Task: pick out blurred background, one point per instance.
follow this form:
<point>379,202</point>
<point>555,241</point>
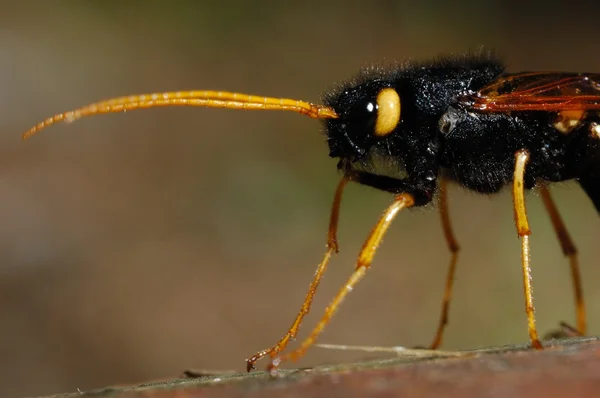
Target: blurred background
<point>135,246</point>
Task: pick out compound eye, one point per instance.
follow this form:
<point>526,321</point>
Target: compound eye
<point>388,112</point>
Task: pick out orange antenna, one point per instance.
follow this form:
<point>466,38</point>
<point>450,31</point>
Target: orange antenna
<point>209,99</point>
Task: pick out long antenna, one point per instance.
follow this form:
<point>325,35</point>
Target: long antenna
<point>209,99</point>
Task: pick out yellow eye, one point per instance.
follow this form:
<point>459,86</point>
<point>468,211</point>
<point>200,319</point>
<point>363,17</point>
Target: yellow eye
<point>388,112</point>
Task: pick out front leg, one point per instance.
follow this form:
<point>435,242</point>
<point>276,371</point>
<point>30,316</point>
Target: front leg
<point>424,192</point>
<point>332,248</point>
<point>522,224</point>
<point>421,189</point>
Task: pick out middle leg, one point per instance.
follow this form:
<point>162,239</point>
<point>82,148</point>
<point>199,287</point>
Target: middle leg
<point>523,230</point>
<point>454,249</point>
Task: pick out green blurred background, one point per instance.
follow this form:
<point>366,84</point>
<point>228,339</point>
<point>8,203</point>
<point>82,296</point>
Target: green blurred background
<point>136,246</point>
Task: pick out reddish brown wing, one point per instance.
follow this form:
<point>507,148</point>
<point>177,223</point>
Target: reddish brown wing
<point>539,91</point>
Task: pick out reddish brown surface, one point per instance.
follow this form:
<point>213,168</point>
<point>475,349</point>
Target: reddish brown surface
<point>569,369</point>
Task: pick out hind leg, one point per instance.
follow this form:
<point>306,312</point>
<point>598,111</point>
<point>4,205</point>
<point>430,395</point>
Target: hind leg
<point>569,250</point>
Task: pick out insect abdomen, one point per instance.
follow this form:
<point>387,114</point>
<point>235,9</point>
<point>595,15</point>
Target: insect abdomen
<point>591,186</point>
<point>584,153</point>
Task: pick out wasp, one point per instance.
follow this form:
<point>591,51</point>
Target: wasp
<point>460,119</point>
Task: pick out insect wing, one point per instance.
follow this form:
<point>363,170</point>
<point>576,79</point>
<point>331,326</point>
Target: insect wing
<point>539,91</point>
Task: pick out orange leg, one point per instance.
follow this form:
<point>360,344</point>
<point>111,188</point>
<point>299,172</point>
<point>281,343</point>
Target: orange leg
<point>454,249</point>
<point>569,250</point>
<point>524,232</point>
<point>365,258</point>
<point>332,248</point>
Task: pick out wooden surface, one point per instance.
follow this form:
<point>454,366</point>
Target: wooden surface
<point>569,367</point>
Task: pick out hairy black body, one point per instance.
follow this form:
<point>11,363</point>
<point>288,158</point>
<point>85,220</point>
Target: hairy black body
<point>440,131</point>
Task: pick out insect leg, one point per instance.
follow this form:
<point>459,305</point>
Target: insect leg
<point>421,192</point>
<point>454,249</point>
<point>522,224</point>
<point>365,258</point>
<point>569,250</point>
<point>332,248</point>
